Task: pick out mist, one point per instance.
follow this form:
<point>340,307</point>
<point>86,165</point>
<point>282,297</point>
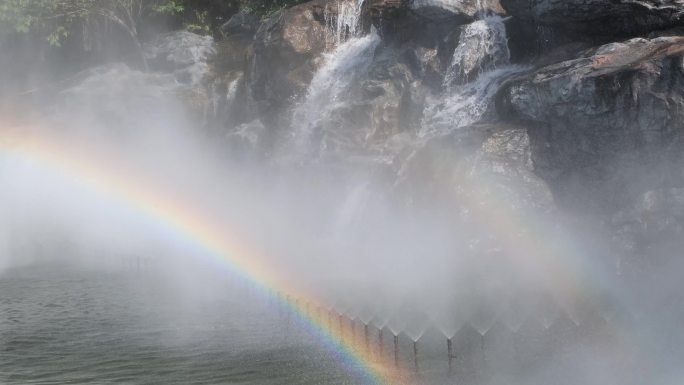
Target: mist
<point>189,200</point>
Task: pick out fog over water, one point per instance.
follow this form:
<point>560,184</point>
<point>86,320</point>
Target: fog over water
<point>142,240</point>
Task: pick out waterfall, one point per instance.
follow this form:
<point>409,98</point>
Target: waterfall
<point>466,104</point>
<point>479,65</point>
<point>482,47</point>
<point>330,86</point>
<point>346,24</point>
<point>332,82</point>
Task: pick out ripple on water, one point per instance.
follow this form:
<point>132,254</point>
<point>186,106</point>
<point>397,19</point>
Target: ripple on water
<point>113,329</point>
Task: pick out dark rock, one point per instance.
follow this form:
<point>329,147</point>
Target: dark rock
<point>242,23</point>
<point>429,23</point>
<point>233,53</point>
<point>425,63</point>
<point>607,126</point>
<point>653,225</point>
<point>230,68</point>
<point>477,166</point>
<point>441,9</point>
<point>182,52</point>
<point>286,49</point>
<point>600,19</point>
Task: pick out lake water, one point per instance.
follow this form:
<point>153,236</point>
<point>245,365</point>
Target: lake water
<point>99,328</point>
<point>72,326</point>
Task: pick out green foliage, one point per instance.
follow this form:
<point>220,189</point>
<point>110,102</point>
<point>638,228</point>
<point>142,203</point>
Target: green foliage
<point>267,8</point>
<point>56,37</point>
<point>26,15</point>
<point>55,19</point>
<point>170,7</point>
<point>200,23</point>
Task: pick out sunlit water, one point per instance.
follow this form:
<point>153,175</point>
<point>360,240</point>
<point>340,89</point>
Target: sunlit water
<point>137,327</point>
<point>77,327</point>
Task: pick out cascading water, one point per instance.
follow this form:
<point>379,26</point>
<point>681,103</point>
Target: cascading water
<point>482,47</point>
<point>347,23</point>
<point>466,104</point>
<point>482,54</point>
<point>330,87</point>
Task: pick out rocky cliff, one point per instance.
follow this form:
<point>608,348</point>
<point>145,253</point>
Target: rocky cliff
<point>594,90</point>
<point>549,106</point>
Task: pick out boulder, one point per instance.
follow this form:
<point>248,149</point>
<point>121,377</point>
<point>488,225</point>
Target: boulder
<point>600,17</point>
<point>242,23</point>
<point>650,230</point>
<point>476,171</point>
<point>427,22</point>
<point>607,125</point>
<point>469,9</point>
<point>183,53</point>
<point>287,48</point>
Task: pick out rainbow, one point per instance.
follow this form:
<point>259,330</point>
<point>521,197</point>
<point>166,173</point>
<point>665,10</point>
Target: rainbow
<point>206,235</point>
<point>573,273</point>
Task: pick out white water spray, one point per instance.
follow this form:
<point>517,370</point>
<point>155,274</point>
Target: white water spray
<point>482,47</point>
<point>482,53</point>
<point>330,87</point>
<point>466,104</point>
<point>346,24</point>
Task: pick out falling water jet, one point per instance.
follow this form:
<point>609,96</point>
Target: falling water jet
<point>450,354</point>
<point>365,337</point>
<point>297,315</point>
<point>380,343</point>
<point>279,304</point>
<point>341,325</point>
<point>271,298</point>
<point>288,300</point>
<point>352,324</point>
<point>396,350</point>
<point>415,355</point>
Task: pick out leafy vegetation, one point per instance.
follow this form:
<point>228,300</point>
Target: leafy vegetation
<point>57,19</point>
<point>82,22</point>
<point>266,8</point>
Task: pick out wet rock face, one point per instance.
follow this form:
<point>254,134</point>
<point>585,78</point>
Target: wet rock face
<point>394,90</point>
<point>608,124</point>
<point>600,17</point>
<point>655,216</point>
<point>430,23</point>
<point>183,53</point>
<point>440,9</point>
<point>286,48</point>
<point>242,23</point>
<point>597,119</point>
<point>478,165</point>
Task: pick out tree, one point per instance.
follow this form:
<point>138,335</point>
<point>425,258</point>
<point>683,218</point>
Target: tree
<point>56,18</point>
